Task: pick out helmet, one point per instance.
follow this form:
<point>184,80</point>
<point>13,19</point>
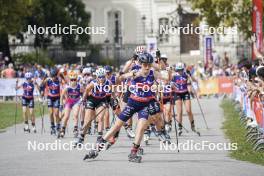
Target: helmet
<point>260,71</point>
<point>140,49</point>
<point>163,56</point>
<point>108,69</point>
<point>87,70</point>
<point>73,75</point>
<point>100,72</point>
<point>179,66</point>
<point>145,58</point>
<point>28,75</point>
<point>53,72</point>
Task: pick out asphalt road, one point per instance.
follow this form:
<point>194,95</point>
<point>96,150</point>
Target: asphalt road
<point>17,159</point>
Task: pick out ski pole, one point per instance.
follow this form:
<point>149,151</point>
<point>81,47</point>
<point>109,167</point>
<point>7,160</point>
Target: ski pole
<point>200,107</point>
<point>175,125</point>
<point>16,108</point>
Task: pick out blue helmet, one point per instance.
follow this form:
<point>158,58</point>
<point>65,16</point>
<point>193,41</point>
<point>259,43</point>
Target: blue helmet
<point>53,72</point>
<point>108,69</point>
<point>28,75</point>
<point>145,58</point>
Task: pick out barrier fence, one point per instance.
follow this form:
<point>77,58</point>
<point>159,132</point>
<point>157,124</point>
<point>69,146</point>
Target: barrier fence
<point>251,109</point>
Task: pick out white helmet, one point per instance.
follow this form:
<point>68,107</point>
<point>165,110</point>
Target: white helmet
<point>28,75</point>
<point>164,56</point>
<point>87,70</point>
<point>179,66</point>
<point>100,72</point>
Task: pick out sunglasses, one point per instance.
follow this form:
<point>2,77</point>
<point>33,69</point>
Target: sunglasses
<point>101,77</point>
<point>87,74</point>
<point>73,80</point>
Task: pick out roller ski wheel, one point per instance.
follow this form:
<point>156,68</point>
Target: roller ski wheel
<point>92,154</point>
<point>140,151</point>
<point>133,157</point>
<point>27,130</point>
<point>146,139</point>
<point>61,134</point>
<point>52,131</point>
<point>34,130</point>
<point>197,132</point>
<point>79,143</point>
<point>75,133</point>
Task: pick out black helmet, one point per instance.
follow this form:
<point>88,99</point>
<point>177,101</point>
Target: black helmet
<point>145,58</point>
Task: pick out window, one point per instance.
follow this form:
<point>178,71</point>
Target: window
<point>163,37</point>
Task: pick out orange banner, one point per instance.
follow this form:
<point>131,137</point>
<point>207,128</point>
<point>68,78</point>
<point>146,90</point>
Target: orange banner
<point>209,86</point>
<point>225,85</point>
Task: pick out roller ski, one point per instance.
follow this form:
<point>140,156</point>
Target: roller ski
<point>162,138</point>
<point>92,154</point>
<point>80,141</point>
<point>53,130</point>
<point>180,129</point>
<point>146,136</point>
<point>130,133</point>
<point>133,157</point>
<point>34,129</point>
<point>26,129</point>
<point>75,132</point>
<point>61,134</point>
<point>140,151</point>
<point>194,130</point>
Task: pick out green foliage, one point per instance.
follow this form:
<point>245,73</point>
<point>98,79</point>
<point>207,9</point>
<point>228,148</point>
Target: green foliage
<point>39,57</point>
<point>226,13</point>
<point>64,12</point>
<point>236,133</point>
<point>7,111</point>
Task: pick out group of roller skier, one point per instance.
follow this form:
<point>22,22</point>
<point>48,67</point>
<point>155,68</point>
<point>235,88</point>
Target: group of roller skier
<point>89,95</point>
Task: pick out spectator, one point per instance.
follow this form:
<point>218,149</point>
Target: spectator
<point>8,72</point>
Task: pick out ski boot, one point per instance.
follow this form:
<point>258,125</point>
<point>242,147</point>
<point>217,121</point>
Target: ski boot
<point>180,129</point>
<point>80,141</point>
<point>89,131</point>
<point>34,129</point>
<point>26,128</point>
<point>166,135</point>
<point>61,134</point>
<point>133,157</point>
<point>140,151</point>
<point>130,133</point>
<point>58,128</point>
<point>146,136</point>
<point>154,130</point>
<point>75,132</point>
<point>168,127</point>
<point>194,130</point>
<point>52,130</point>
<point>91,155</point>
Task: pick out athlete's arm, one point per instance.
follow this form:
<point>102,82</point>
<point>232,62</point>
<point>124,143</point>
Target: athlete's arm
<point>127,66</point>
<point>89,87</point>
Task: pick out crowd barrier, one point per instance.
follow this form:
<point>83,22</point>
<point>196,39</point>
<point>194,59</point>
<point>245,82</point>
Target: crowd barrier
<point>252,115</point>
<point>216,85</point>
<point>254,109</point>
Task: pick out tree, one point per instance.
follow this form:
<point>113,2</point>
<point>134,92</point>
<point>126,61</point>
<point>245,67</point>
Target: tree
<point>12,20</point>
<point>226,12</point>
<point>64,12</point>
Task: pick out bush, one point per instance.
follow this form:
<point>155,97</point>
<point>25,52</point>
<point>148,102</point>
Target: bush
<point>40,57</point>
